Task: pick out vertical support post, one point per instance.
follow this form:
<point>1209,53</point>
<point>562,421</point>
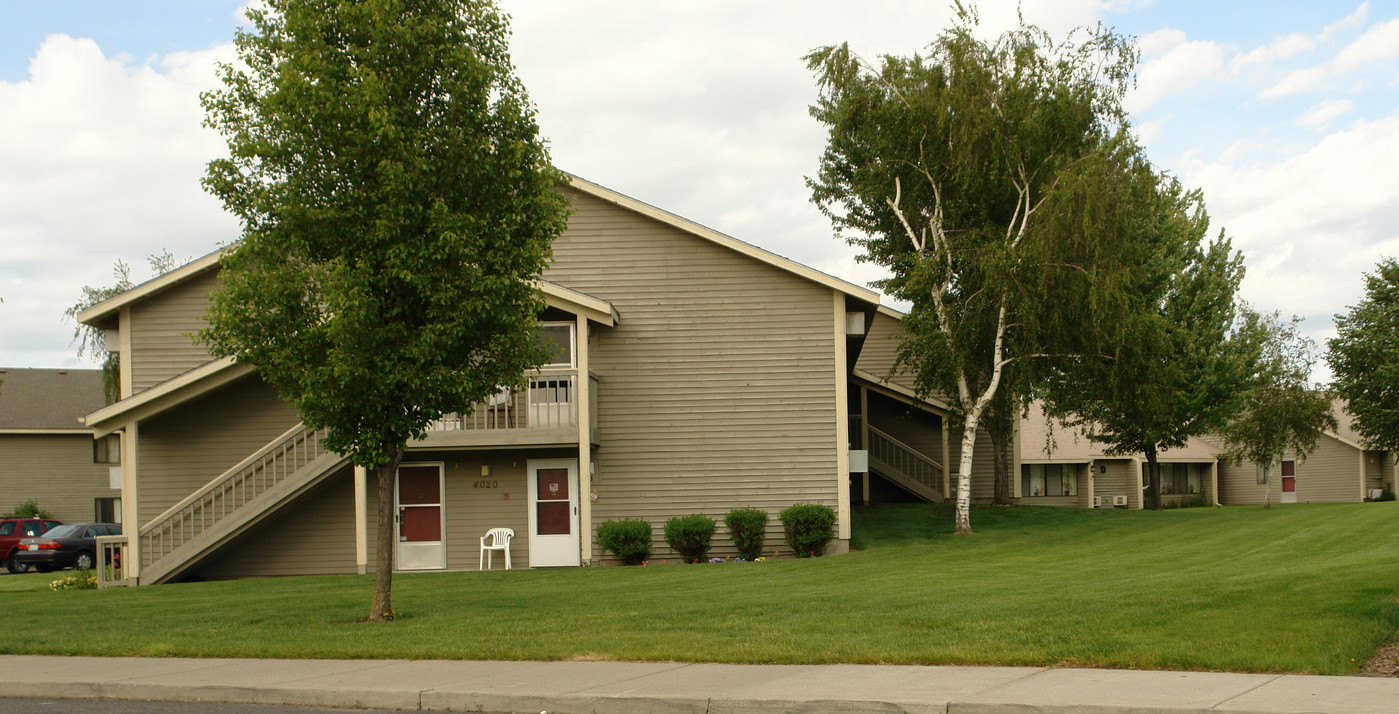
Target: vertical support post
<point>361,526</point>
<point>842,419</point>
<point>130,498</point>
<point>1362,473</point>
<point>946,462</point>
<point>1091,481</point>
<point>1014,474</point>
<point>585,443</point>
<point>865,439</point>
<point>1138,475</point>
<point>1214,482</point>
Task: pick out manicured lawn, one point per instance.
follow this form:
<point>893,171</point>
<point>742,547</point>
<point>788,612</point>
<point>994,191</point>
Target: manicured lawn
<point>1302,588</point>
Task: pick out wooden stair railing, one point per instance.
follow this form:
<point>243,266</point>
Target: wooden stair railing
<point>222,497</point>
<point>906,462</point>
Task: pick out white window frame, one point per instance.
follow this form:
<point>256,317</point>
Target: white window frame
<point>572,343</point>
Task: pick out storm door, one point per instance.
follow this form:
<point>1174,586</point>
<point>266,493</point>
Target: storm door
<point>1289,482</point>
<point>420,542</point>
<point>553,513</point>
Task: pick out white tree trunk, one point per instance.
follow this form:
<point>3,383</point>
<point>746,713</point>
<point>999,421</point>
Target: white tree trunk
<point>964,473</point>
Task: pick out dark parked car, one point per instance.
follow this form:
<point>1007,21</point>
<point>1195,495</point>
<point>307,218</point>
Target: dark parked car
<point>13,529</point>
<point>73,545</point>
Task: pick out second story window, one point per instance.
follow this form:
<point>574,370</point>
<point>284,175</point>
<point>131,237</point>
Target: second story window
<point>107,450</point>
<point>558,337</point>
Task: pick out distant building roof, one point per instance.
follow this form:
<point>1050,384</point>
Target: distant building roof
<point>48,398</point>
<point>1345,422</point>
<point>1045,439</point>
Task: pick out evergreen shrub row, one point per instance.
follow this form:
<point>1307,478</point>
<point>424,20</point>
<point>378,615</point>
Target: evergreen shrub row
<point>808,527</point>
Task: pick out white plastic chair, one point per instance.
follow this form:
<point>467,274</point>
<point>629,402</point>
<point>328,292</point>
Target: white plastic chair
<point>500,540</point>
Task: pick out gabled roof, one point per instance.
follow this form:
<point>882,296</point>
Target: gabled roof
<point>1046,439</point>
<point>97,313</point>
<point>102,312</point>
<point>48,400</point>
<point>174,391</point>
<point>1345,424</point>
<point>729,242</point>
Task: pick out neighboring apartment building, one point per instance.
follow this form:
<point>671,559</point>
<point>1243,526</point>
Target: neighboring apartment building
<point>697,374</point>
<point>1060,466</point>
<point>47,455</point>
<point>1341,468</point>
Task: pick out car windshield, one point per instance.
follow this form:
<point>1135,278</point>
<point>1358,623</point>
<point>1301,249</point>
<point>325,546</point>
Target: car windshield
<point>62,532</point>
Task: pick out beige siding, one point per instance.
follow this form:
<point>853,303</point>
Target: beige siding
<point>187,447</point>
<point>56,471</point>
<point>717,388</point>
<point>162,332</point>
<point>314,536</point>
<point>880,350</point>
<point>1331,473</point>
<point>1115,479</point>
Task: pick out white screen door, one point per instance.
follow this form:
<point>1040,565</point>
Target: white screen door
<point>553,513</point>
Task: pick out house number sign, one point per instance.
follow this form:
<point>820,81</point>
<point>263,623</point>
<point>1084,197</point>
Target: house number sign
<point>485,484</point>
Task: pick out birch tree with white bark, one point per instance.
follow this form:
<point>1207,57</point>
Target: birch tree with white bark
<point>995,180</point>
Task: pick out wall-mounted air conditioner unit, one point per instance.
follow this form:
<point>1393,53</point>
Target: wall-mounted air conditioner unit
<point>1119,501</point>
<point>1097,501</point>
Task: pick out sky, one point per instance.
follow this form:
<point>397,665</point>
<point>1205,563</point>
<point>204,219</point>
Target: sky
<point>1285,114</point>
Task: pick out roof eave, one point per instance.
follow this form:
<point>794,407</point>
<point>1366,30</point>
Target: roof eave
<point>96,313</point>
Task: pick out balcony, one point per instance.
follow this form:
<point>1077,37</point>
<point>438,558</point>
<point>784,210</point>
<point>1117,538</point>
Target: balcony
<point>544,413</point>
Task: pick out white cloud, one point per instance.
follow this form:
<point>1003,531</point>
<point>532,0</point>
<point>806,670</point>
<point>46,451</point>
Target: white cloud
<point>1353,21</point>
<point>1378,44</point>
<point>1319,116</point>
<point>1312,223</point>
<point>1280,49</point>
<point>1183,66</point>
<point>102,162</point>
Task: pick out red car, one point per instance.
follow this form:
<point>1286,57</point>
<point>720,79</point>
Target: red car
<point>13,529</point>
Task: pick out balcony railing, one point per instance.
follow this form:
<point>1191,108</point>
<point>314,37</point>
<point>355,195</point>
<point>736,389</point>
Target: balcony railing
<point>549,400</point>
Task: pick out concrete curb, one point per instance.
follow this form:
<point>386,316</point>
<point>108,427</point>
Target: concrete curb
<point>676,688</point>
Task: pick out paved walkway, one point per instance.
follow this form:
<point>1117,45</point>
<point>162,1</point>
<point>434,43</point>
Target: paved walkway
<point>645,687</point>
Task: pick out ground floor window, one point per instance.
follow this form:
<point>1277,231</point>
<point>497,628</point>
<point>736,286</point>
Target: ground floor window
<point>1180,478</point>
<point>1048,480</point>
<point>106,510</point>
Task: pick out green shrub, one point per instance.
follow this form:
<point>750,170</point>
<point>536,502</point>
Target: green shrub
<point>28,509</point>
<point>690,535</point>
<point>809,528</point>
<point>628,539</point>
<point>747,527</point>
<point>1388,495</point>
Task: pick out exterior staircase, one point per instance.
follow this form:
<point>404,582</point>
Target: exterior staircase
<point>906,467</point>
<point>234,502</point>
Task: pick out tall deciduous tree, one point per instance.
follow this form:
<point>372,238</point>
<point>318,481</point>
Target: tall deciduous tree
<point>1283,410</point>
<point>1183,369</point>
<point>1364,357</point>
<point>397,204</point>
<point>995,181</point>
